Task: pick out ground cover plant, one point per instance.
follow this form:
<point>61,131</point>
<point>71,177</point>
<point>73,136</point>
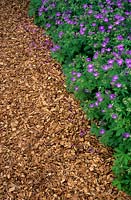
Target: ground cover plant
<point>92,41</point>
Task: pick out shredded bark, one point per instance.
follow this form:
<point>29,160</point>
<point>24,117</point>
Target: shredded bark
<point>46,149</point>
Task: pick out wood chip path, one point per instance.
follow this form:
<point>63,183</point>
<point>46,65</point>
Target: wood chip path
<point>46,151</point>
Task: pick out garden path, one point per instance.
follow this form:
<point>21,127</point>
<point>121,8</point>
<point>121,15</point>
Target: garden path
<point>46,151</point>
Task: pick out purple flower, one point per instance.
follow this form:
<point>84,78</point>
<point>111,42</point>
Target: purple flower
<point>114,116</point>
<point>120,47</point>
<point>112,96</point>
<point>107,39</point>
<point>90,66</point>
<point>128,52</point>
<point>114,78</point>
<point>55,48</point>
<point>73,73</point>
<point>128,63</point>
<point>115,54</point>
<point>126,135</point>
<point>120,37</point>
<point>98,94</point>
<point>110,106</point>
<point>117,22</point>
<point>118,85</point>
<point>53,5</point>
<point>100,99</point>
<point>85,6</point>
<point>108,49</point>
<point>82,31</point>
<point>73,79</point>
<point>102,131</point>
<point>58,14</point>
<point>110,61</point>
<point>81,25</point>
<point>90,70</point>
<point>96,103</point>
<point>90,12</point>
<point>93,24</point>
<point>40,10</point>
<point>110,26</point>
<point>104,11</point>
<point>78,74</point>
<point>96,74</point>
<point>88,59</point>
<point>105,67</point>
<point>96,55</point>
<point>99,16</point>
<point>76,88</point>
<point>104,44</point>
<point>48,25</point>
<point>119,61</point>
<point>91,105</point>
<point>101,28</point>
<point>60,34</point>
<point>106,19</point>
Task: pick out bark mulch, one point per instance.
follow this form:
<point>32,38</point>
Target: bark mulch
<point>46,150</point>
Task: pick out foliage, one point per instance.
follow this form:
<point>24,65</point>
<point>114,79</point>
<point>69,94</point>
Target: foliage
<point>92,41</point>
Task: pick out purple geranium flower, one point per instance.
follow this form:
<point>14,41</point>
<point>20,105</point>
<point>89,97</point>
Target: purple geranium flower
<point>82,31</point>
<point>103,50</point>
<point>90,70</point>
<point>48,25</point>
<point>114,116</point>
<point>76,88</point>
<point>112,96</point>
<point>105,67</point>
<point>118,85</point>
<point>88,59</point>
<point>120,37</point>
<point>90,66</point>
<point>96,103</point>
<point>93,24</point>
<point>96,74</point>
<point>114,78</point>
<point>100,99</point>
<point>110,61</point>
<point>73,73</point>
<point>126,135</point>
<point>120,47</point>
<point>98,94</point>
<point>91,105</point>
<point>90,12</point>
<point>78,74</point>
<point>96,55</point>
<point>119,61</point>
<point>102,131</point>
<point>106,19</point>
<point>73,79</point>
<point>60,34</point>
<point>110,106</point>
<point>101,28</point>
<point>110,26</point>
<point>85,6</point>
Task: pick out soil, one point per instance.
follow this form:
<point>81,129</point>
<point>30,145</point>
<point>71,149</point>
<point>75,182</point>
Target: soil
<point>46,149</point>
